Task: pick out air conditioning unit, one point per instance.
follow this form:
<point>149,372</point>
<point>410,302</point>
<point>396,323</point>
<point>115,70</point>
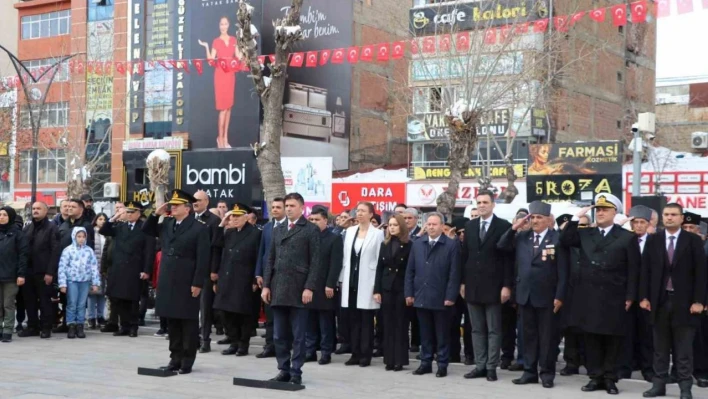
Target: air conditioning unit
<point>699,140</point>
<point>111,190</point>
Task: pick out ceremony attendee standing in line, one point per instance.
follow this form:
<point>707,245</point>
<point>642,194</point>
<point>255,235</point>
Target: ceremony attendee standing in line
<point>431,287</point>
<point>388,291</point>
<point>13,269</point>
<point>97,300</point>
<point>183,269</point>
<point>362,244</point>
<point>541,278</point>
<point>609,273</point>
<point>289,278</point>
<point>673,289</point>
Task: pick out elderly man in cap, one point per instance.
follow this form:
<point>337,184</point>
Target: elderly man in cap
<point>183,270</point>
<point>541,276</point>
<point>609,272</point>
<point>132,261</point>
<point>233,274</point>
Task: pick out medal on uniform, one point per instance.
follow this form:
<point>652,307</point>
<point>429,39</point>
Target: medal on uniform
<point>550,250</point>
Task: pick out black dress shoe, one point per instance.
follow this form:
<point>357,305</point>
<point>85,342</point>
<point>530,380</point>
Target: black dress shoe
<point>296,380</point>
<point>141,323</point>
<point>205,348</point>
<point>415,348</point>
<point>6,338</point>
<point>397,367</point>
<point>28,332</point>
<point>171,367</point>
<point>547,384</point>
<point>593,385</point>
<point>231,350</point>
<point>45,334</point>
<point>281,377</point>
<point>442,372</point>
<point>266,353</point>
<point>504,365</point>
<point>702,382</point>
<point>657,389</point>
<point>469,361</point>
<point>516,367</point>
<point>491,375</point>
<point>567,371</point>
<point>343,349</point>
<point>133,333</point>
<point>242,352</point>
<point>389,367</point>
<point>377,353</point>
<point>476,373</point>
<point>526,379</point>
<point>61,329</point>
<point>325,360</point>
<point>225,341</point>
<point>611,388</point>
<point>311,358</point>
<point>353,361</point>
<point>219,331</point>
<point>121,333</point>
<point>185,370</point>
<point>109,328</point>
<point>423,370</point>
<point>365,363</point>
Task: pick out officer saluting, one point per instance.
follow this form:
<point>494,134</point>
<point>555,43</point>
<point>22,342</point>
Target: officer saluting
<point>183,270</point>
<point>609,271</point>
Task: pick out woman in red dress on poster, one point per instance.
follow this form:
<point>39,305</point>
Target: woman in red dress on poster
<point>223,47</point>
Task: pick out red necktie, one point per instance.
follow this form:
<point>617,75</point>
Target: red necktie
<point>291,225</point>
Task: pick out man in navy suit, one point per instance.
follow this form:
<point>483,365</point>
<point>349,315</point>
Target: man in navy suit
<point>541,276</point>
<point>432,285</point>
<point>277,210</point>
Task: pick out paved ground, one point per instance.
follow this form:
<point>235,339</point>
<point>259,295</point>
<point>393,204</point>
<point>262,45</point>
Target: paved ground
<point>103,366</point>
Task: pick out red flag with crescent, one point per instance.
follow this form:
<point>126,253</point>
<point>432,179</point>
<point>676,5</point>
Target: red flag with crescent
<point>199,66</point>
<point>338,56</point>
<point>353,55</point>
<point>324,56</point>
<point>399,50</point>
<point>540,25</point>
<point>429,44</point>
<point>462,42</point>
<point>297,59</point>
<point>663,8</point>
<point>444,43</point>
<point>382,52</point>
<point>639,11</point>
<point>367,53</point>
<point>490,36</point>
<point>684,6</point>
<point>311,61</point>
<point>619,14</point>
<point>598,15</point>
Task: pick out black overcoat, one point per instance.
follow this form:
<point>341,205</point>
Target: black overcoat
<point>331,245</point>
<point>184,264</point>
<point>133,252</point>
<point>391,270</point>
<point>43,243</point>
<point>239,254</point>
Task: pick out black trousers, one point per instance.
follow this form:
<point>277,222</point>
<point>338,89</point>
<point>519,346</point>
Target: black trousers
<point>342,320</point>
<point>395,336</point>
<point>361,333</point>
<point>268,327</point>
<point>112,313</point>
<point>127,311</point>
<point>670,339</point>
<point>144,299</point>
<point>460,313</point>
<point>20,309</point>
<point>601,354</point>
<point>38,302</point>
<point>184,341</point>
<point>238,329</point>
<point>415,326</point>
<point>508,319</point>
<point>435,335</point>
<point>378,330</point>
<point>540,332</point>
<point>700,350</point>
<point>637,351</point>
<point>573,348</point>
<point>206,310</point>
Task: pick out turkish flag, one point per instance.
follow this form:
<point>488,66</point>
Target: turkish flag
<point>598,15</point>
<point>199,66</point>
<point>173,63</point>
<point>120,67</point>
<point>505,33</point>
<point>164,65</point>
<point>353,55</point>
<point>521,28</point>
<point>619,14</point>
<point>684,6</point>
<point>98,68</point>
<point>71,66</point>
<point>382,52</point>
<point>444,43</point>
<point>234,65</point>
<point>311,60</point>
<point>663,8</point>
<point>296,59</point>
<point>639,11</point>
<point>561,23</point>
<point>107,67</point>
<point>540,25</point>
<point>399,50</point>
<point>577,17</point>
<point>338,56</point>
<point>272,58</point>
<point>140,65</point>
<point>223,64</point>
<point>367,53</point>
<point>261,59</point>
<point>429,44</point>
<point>185,65</point>
<point>324,56</point>
<point>80,67</point>
<point>415,46</point>
<point>89,67</point>
<point>490,36</point>
<point>462,42</point>
<point>212,63</point>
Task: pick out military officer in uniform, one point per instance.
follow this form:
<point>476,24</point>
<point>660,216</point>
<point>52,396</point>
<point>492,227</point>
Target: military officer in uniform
<point>541,279</point>
<point>234,279</point>
<point>609,272</point>
<point>183,269</point>
<point>132,261</point>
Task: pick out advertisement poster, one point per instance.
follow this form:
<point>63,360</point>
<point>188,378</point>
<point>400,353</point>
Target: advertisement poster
<point>384,196</point>
<point>496,171</point>
<point>311,177</point>
<point>425,195</point>
<point>574,171</point>
<point>317,108</point>
<point>99,79</point>
<point>135,185</point>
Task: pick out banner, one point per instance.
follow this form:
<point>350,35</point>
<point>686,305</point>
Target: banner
<point>228,175</point>
<point>310,177</point>
<point>430,127</point>
<point>425,194</point>
<point>496,171</point>
<point>384,196</point>
<point>556,188</point>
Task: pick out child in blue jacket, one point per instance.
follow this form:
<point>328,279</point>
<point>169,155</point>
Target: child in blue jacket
<point>78,270</point>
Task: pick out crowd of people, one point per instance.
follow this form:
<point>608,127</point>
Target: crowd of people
<point>623,293</point>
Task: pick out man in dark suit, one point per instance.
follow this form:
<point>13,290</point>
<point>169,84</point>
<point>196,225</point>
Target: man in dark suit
<point>431,287</point>
<point>461,313</point>
<point>609,259</point>
<point>323,299</point>
<point>277,211</point>
<point>487,278</point>
<point>411,215</point>
<point>541,278</point>
<point>511,322</point>
<point>207,315</point>
<point>132,262</point>
<point>673,289</point>
<point>290,276</point>
<point>183,270</point>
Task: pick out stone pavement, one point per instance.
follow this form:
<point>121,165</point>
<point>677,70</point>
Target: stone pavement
<point>103,366</point>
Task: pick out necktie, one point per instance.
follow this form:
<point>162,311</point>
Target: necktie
<point>602,232</point>
<point>131,227</point>
<point>431,243</point>
<point>483,231</point>
<point>175,227</point>
<point>536,244</point>
<point>670,252</point>
<point>291,225</point>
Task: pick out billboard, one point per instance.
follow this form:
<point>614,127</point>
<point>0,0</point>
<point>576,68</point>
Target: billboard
<point>443,172</point>
<point>311,177</point>
<point>434,127</point>
<point>384,196</point>
<point>317,107</point>
<point>574,171</point>
<point>425,195</point>
<point>99,81</point>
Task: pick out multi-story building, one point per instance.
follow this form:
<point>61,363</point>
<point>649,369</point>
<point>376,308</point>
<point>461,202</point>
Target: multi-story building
<point>682,114</point>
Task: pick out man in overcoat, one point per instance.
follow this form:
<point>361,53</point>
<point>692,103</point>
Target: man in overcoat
<point>609,275</point>
<point>183,269</point>
<point>234,276</point>
<point>290,277</point>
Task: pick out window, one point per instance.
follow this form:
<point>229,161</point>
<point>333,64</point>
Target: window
<point>619,76</point>
<point>100,11</point>
<point>430,154</point>
<point>51,166</point>
<point>35,66</point>
<point>46,25</point>
<point>434,99</point>
<point>54,115</point>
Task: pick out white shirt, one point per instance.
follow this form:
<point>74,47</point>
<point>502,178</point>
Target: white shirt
<point>435,240</point>
<point>642,241</point>
<point>668,240</point>
<point>541,234</point>
<point>358,243</point>
<point>606,230</point>
<point>277,223</point>
<point>485,222</point>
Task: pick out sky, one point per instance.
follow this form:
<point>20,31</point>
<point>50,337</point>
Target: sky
<point>681,51</point>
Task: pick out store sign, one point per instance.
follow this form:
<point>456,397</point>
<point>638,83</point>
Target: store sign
<point>509,63</point>
<point>557,188</point>
<point>384,196</point>
<point>310,177</point>
<point>421,173</point>
<point>475,15</point>
<point>686,188</point>
<point>51,198</point>
<point>431,127</point>
<point>224,175</point>
<point>539,122</point>
<point>426,194</point>
<point>168,143</point>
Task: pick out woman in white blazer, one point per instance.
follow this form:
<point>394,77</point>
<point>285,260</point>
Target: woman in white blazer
<point>361,255</point>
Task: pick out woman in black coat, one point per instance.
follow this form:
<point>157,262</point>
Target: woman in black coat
<point>388,291</point>
<point>13,266</point>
